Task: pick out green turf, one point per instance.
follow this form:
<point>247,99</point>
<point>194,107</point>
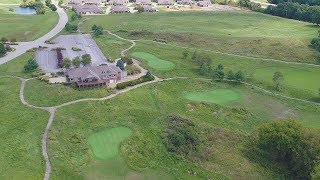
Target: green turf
<point>105,144</point>
<point>218,96</point>
<point>21,129</point>
<point>144,111</point>
<point>111,46</point>
<point>236,32</point>
<point>26,28</point>
<point>153,61</point>
<point>15,67</point>
<point>10,1</point>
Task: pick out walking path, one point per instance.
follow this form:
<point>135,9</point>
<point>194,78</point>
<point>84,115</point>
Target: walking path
<point>22,47</point>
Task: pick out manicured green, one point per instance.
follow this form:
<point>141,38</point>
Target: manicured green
<point>218,96</point>
<point>21,129</point>
<point>56,94</point>
<point>237,32</point>
<point>144,110</point>
<point>153,61</point>
<point>26,28</point>
<point>105,144</point>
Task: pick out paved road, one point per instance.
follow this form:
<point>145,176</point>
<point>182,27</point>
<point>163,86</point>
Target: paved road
<point>24,46</point>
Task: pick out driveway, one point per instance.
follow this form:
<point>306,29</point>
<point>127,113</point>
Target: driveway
<point>24,46</point>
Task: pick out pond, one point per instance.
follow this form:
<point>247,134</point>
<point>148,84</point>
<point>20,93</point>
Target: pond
<point>24,10</point>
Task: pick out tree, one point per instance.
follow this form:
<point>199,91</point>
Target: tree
<point>127,60</point>
<point>67,63</point>
<point>76,62</point>
<point>239,76</point>
<point>3,50</point>
<point>74,16</point>
<point>86,59</point>
<point>205,69</point>
<point>97,30</point>
<point>3,39</point>
<point>278,80</point>
<point>139,8</point>
<point>31,65</point>
<point>120,64</point>
<point>316,173</point>
<point>230,75</point>
<point>245,3</point>
<point>218,73</point>
<point>71,27</point>
<point>185,54</point>
<point>290,144</point>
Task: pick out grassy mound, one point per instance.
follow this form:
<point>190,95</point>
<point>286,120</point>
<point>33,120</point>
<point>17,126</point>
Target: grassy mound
<point>153,61</point>
<point>218,96</point>
<point>105,144</point>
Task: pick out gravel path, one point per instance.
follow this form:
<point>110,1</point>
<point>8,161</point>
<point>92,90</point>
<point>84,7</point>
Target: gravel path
<point>22,47</point>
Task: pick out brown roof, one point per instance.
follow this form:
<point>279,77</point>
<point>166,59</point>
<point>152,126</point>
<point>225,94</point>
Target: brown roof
<point>88,9</point>
<point>93,72</point>
<point>118,2</point>
<point>143,2</point>
<point>149,8</point>
<point>165,2</point>
<point>119,9</point>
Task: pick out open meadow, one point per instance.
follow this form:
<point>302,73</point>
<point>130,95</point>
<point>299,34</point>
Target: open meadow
<point>241,32</point>
<point>26,27</point>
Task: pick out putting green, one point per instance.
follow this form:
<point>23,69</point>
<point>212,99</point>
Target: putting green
<point>218,96</point>
<point>153,61</point>
<point>105,144</point>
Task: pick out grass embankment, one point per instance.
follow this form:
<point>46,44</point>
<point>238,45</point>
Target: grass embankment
<point>144,110</point>
<point>111,46</point>
<point>21,132</point>
<point>241,32</point>
<point>26,27</point>
<point>299,80</point>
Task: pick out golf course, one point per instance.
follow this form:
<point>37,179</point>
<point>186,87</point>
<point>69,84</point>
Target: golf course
<point>219,80</point>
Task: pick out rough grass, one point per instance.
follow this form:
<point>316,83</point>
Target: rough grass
<point>26,28</point>
<point>241,32</point>
<point>300,80</point>
<point>21,130</point>
<point>144,111</point>
<point>56,94</point>
<point>218,96</point>
<point>153,61</point>
<point>10,1</point>
<point>111,46</point>
<point>105,144</point>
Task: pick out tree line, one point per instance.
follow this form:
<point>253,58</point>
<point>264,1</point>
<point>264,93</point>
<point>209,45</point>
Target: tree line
<point>307,2</point>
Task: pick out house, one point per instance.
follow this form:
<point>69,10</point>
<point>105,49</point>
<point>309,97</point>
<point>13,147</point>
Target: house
<point>90,76</point>
<point>119,9</point>
<point>118,2</point>
<point>92,2</point>
<point>185,2</point>
<point>88,9</point>
<point>75,2</point>
<point>143,2</point>
<point>149,8</point>
<point>165,2</point>
<point>204,3</point>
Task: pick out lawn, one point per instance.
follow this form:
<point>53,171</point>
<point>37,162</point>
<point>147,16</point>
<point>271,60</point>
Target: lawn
<point>21,132</point>
<point>26,28</point>
<point>15,67</point>
<point>105,144</point>
<point>111,46</point>
<point>218,96</point>
<point>144,111</point>
<point>56,94</point>
<point>241,32</point>
<point>300,80</point>
<point>10,1</point>
<point>153,61</point>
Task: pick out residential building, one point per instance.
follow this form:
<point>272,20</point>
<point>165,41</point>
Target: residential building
<point>119,9</point>
<point>88,9</point>
<point>185,2</point>
<point>165,2</point>
<point>149,8</point>
<point>143,2</point>
<point>204,3</point>
<point>118,2</point>
<point>90,76</point>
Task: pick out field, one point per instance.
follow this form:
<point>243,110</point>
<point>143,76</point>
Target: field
<point>144,113</point>
<point>153,61</point>
<point>21,129</point>
<point>26,28</point>
<point>242,33</point>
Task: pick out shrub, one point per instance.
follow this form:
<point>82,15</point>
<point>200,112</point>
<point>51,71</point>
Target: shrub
<point>76,49</point>
<point>31,65</point>
<point>120,64</point>
<point>59,58</point>
<point>315,43</point>
<point>127,60</point>
<point>181,136</point>
<point>3,50</point>
<point>146,78</point>
<point>71,27</point>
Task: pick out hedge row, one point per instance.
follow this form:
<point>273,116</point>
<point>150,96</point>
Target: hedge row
<point>143,79</point>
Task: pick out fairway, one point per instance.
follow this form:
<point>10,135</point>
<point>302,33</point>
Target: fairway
<point>218,96</point>
<point>297,78</point>
<point>105,144</point>
<point>153,61</point>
